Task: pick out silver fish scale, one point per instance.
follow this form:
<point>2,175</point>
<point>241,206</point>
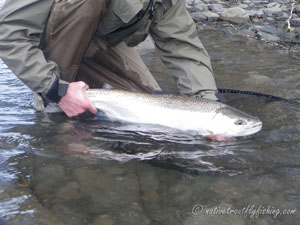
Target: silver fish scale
<point>169,101</point>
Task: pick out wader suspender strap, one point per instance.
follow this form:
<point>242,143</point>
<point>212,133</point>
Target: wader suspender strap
<point>143,17</point>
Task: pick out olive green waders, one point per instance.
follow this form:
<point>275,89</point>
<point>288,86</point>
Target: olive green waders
<point>70,41</point>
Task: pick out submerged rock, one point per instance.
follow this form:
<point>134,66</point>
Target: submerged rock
<point>227,190</point>
<point>50,172</point>
<point>216,7</point>
<point>273,10</point>
<point>149,184</point>
<point>211,16</point>
<point>191,2</point>
<point>273,4</point>
<point>257,79</point>
<point>267,29</point>
<point>255,13</point>
<point>70,215</point>
<point>267,37</point>
<point>215,1</point>
<point>297,9</point>
<point>261,2</point>
<point>199,16</point>
<point>243,6</point>
<point>104,220</point>
<point>107,191</point>
<point>245,33</point>
<point>201,7</point>
<point>282,16</point>
<point>295,22</point>
<point>290,36</point>
<point>205,16</point>
<point>132,214</point>
<point>69,192</point>
<point>47,179</point>
<point>270,20</point>
<point>235,15</point>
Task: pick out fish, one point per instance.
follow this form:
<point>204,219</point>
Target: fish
<point>185,113</point>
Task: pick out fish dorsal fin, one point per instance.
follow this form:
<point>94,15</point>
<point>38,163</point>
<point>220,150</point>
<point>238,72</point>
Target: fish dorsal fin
<point>107,86</point>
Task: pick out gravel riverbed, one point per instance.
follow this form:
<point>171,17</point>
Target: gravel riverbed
<point>275,21</point>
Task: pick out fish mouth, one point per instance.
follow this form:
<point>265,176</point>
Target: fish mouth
<point>251,129</point>
<point>257,125</point>
<point>254,129</point>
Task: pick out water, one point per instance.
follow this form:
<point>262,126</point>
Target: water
<point>56,170</point>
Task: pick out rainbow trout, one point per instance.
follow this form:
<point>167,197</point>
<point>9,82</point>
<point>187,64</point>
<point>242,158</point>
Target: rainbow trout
<point>205,117</point>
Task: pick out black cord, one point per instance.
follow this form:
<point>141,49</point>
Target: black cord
<point>270,97</point>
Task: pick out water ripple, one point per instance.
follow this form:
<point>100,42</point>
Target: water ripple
<point>11,207</point>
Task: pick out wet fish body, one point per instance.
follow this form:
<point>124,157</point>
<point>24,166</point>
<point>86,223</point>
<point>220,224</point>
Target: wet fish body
<point>205,117</point>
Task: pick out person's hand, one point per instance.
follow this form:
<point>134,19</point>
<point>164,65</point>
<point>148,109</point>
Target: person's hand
<point>75,101</point>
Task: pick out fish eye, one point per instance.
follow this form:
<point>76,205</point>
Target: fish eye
<point>240,122</point>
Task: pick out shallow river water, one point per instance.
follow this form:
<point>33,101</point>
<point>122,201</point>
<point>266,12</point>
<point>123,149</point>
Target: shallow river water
<point>56,170</point>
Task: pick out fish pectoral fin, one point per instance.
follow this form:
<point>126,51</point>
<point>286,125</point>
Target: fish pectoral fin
<point>219,138</point>
<point>213,137</point>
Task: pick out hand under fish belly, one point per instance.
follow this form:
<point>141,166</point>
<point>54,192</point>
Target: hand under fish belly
<point>205,117</point>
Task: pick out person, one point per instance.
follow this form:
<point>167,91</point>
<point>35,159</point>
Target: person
<point>60,48</point>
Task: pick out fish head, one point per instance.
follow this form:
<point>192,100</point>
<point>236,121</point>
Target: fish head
<point>231,122</point>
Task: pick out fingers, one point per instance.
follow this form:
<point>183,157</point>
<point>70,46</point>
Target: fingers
<point>76,102</point>
<point>90,105</point>
<point>83,85</point>
<point>93,108</point>
<point>69,108</point>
